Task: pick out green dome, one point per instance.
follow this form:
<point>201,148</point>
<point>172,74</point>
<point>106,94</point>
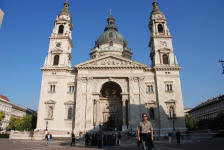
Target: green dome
<point>111,34</point>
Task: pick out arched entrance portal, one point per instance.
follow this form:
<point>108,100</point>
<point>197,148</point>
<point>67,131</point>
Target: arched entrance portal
<point>111,104</point>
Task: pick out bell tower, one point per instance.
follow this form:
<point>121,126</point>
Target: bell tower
<point>60,47</point>
<point>167,76</point>
<point>161,40</point>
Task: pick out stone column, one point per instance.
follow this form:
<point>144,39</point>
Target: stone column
<point>98,113</point>
<point>96,110</point>
<point>94,113</point>
<point>124,115</point>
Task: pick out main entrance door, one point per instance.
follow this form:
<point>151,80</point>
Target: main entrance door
<point>111,106</point>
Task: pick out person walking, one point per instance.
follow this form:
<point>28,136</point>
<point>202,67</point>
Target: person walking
<point>119,139</point>
<point>178,134</point>
<point>169,137</point>
<point>73,139</point>
<point>48,137</point>
<point>145,133</point>
<point>100,138</point>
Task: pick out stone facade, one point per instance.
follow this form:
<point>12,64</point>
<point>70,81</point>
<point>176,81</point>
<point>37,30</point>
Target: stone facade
<point>208,109</point>
<point>110,90</point>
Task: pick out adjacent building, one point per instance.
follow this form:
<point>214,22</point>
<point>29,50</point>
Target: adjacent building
<point>186,111</point>
<point>1,16</point>
<point>110,90</point>
<point>6,107</point>
<point>12,110</point>
<point>208,109</point>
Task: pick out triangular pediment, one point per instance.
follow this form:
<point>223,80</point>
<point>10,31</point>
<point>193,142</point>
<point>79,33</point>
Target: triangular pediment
<point>69,103</point>
<point>110,61</point>
<point>170,101</point>
<point>50,102</point>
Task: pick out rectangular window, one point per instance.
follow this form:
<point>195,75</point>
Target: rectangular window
<point>70,112</point>
<point>71,89</point>
<point>52,88</point>
<point>169,87</point>
<point>150,88</point>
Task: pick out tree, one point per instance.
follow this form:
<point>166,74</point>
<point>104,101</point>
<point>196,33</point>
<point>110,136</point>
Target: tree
<point>219,120</point>
<point>34,121</point>
<point>2,116</point>
<point>190,122</point>
<point>27,123</point>
<point>12,125</point>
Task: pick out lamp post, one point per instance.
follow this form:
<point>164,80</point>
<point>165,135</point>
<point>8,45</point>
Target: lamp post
<point>174,117</point>
<point>222,62</point>
<point>46,125</point>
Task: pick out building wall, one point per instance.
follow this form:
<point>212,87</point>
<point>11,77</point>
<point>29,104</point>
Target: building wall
<point>56,99</point>
<point>168,98</point>
<point>89,83</point>
<point>18,112</point>
<point>5,107</point>
<point>209,109</point>
<point>11,110</point>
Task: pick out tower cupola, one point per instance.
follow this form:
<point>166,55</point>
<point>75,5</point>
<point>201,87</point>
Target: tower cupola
<point>156,9</point>
<point>65,11</point>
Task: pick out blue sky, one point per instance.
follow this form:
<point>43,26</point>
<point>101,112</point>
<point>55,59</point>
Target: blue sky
<point>197,27</point>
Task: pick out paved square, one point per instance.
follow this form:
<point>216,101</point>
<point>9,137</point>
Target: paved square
<point>209,144</point>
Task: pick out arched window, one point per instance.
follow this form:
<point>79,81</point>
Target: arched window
<point>70,113</point>
<point>165,59</point>
<point>56,60</point>
<point>160,28</point>
<point>151,113</point>
<point>61,29</point>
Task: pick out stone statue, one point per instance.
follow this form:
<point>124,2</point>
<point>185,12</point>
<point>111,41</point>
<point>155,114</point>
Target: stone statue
<point>50,112</point>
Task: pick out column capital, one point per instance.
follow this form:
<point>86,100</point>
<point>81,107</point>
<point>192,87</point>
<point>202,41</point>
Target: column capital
<point>124,96</point>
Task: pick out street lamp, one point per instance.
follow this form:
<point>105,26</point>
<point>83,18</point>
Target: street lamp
<point>174,117</point>
<point>46,125</point>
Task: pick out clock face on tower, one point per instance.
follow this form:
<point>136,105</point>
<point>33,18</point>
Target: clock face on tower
<point>58,44</point>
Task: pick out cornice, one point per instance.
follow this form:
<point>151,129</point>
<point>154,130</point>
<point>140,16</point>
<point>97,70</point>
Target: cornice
<point>62,37</point>
<point>58,69</point>
<point>161,36</point>
<point>59,37</point>
<point>148,69</point>
<point>166,68</point>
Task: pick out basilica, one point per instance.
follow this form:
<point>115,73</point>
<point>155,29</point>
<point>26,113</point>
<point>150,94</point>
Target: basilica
<point>110,91</point>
